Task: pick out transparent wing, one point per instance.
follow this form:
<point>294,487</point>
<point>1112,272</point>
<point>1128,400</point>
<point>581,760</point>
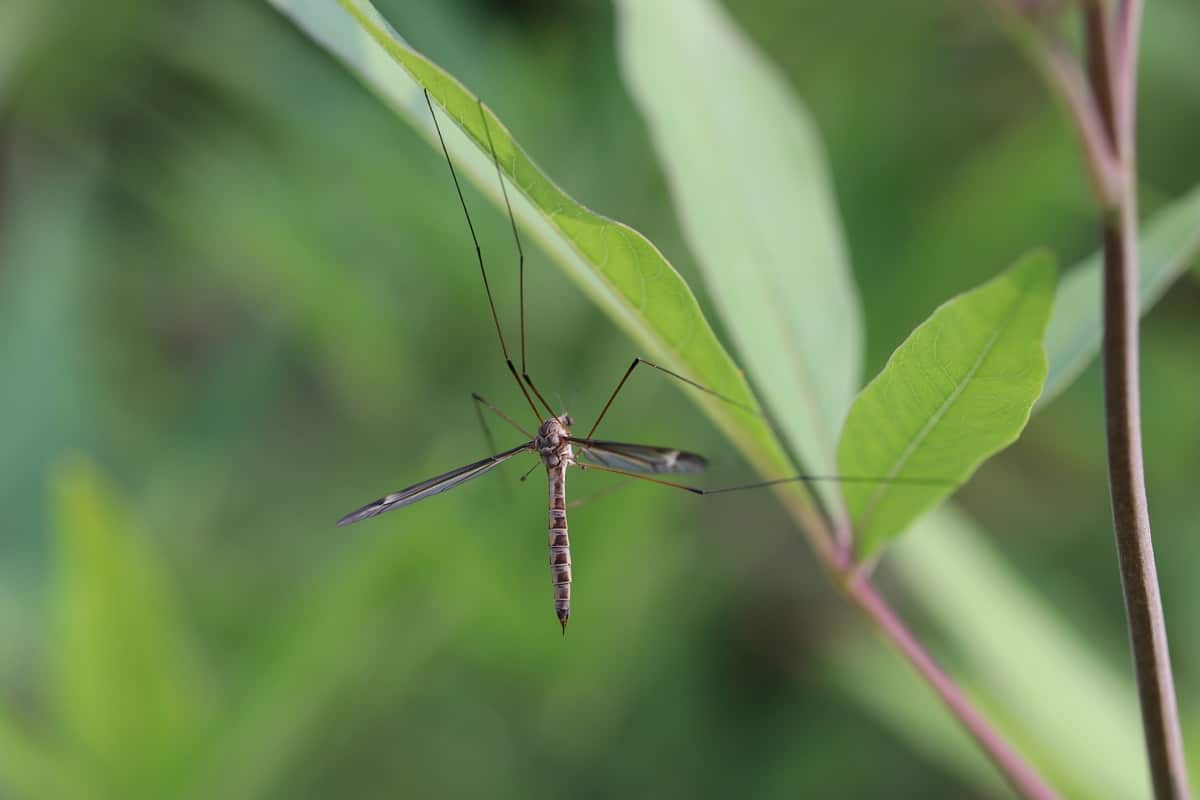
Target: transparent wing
<point>640,457</point>
<point>428,488</point>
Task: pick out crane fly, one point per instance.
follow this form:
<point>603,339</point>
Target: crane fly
<point>554,444</point>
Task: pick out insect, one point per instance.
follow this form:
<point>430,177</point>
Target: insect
<point>554,443</point>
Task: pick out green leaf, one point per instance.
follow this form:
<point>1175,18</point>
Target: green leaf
<point>1043,665</point>
<point>752,191</point>
<point>615,265</point>
<point>956,391</point>
<point>318,651</point>
<point>1170,241</point>
<point>126,692</point>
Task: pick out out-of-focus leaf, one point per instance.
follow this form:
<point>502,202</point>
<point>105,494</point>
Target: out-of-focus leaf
<point>312,660</point>
<point>618,267</point>
<point>1048,684</point>
<point>125,686</point>
<point>19,24</point>
<point>1026,653</point>
<point>958,389</point>
<point>27,770</point>
<point>751,189</point>
<point>915,713</point>
<point>877,678</point>
<point>1170,241</point>
<point>44,372</point>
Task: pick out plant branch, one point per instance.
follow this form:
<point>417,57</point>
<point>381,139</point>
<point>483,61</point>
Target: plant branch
<point>1125,53</point>
<point>1103,113</point>
<point>1112,65</point>
<point>1131,519</point>
<point>852,577</point>
<point>1100,69</point>
<point>1062,71</point>
<point>1020,775</point>
<point>1059,67</point>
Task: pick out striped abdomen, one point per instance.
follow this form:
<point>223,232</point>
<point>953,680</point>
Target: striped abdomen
<point>560,544</point>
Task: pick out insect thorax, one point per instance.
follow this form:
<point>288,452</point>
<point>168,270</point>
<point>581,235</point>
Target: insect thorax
<point>552,442</point>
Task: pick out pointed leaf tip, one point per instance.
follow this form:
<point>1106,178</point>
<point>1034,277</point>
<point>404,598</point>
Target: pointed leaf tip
<point>123,677</point>
<point>956,391</point>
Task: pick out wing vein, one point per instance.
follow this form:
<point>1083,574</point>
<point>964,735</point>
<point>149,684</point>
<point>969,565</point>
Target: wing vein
<point>431,486</point>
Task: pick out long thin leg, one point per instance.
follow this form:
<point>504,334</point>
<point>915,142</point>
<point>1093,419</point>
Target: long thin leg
<point>520,256</point>
<point>479,255</point>
<point>677,376</point>
<point>775,482</point>
<point>616,487</point>
<point>516,237</point>
<point>481,403</point>
<point>529,381</point>
<point>529,471</point>
<point>487,430</point>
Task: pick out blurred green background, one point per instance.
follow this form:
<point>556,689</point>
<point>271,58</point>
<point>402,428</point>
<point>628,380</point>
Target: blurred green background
<point>238,299</point>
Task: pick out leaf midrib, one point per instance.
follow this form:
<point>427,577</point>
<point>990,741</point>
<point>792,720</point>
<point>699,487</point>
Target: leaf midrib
<point>802,376</point>
<point>939,414</point>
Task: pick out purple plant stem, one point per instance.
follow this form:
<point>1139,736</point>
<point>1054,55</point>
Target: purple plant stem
<point>1020,775</point>
<point>1131,518</point>
<point>1112,65</point>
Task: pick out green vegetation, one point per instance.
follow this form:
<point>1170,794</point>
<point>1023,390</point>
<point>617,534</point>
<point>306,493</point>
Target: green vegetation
<point>238,298</point>
<point>954,392</point>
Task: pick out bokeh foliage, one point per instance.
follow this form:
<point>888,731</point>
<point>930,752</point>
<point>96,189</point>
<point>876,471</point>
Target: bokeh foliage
<point>236,283</point>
